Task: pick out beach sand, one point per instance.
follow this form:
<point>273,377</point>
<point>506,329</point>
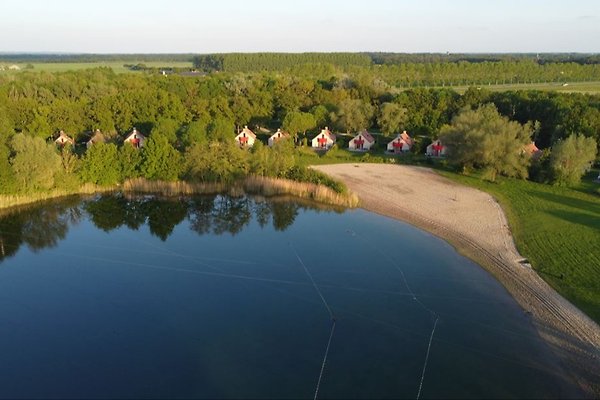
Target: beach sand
<point>474,223</point>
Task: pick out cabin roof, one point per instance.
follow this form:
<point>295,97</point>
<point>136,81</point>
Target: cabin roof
<point>327,133</point>
<point>134,132</point>
<point>368,137</point>
<point>247,131</point>
<point>280,132</point>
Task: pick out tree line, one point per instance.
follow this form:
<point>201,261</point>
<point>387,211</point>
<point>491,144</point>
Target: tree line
<point>256,62</point>
<point>185,113</point>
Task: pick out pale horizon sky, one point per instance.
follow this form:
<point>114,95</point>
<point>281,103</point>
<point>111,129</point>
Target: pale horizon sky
<point>185,26</point>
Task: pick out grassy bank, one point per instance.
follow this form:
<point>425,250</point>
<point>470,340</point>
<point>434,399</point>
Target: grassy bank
<point>557,229</point>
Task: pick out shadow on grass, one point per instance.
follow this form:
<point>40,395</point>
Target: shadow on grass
<point>577,218</point>
<point>589,206</point>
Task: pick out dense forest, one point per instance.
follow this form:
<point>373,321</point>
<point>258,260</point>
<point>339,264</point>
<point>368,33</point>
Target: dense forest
<point>186,116</point>
<point>413,70</point>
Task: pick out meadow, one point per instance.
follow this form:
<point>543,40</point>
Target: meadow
<point>116,66</point>
<point>589,87</point>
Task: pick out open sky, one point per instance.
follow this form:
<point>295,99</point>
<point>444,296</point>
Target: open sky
<point>199,26</point>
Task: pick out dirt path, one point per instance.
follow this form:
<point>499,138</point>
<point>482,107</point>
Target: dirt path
<point>474,223</point>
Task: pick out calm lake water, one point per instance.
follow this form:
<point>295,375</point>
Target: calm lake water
<point>214,297</point>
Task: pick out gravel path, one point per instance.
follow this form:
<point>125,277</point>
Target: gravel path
<point>474,223</point>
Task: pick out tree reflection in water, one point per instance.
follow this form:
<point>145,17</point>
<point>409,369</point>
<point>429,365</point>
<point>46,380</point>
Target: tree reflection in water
<point>43,226</point>
<point>38,227</point>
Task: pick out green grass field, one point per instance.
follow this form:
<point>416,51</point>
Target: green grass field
<point>590,87</point>
<point>117,66</point>
<point>557,229</point>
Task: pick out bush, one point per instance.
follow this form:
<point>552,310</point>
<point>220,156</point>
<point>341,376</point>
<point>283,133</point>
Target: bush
<point>303,174</point>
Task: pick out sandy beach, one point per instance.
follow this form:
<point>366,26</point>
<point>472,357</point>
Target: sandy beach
<point>474,223</point>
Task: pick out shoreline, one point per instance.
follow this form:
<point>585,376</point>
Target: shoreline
<point>475,225</point>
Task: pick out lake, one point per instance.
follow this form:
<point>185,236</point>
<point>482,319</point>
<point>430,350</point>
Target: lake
<point>215,296</point>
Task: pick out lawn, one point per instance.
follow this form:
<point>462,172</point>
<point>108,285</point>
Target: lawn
<point>557,229</point>
<point>591,87</point>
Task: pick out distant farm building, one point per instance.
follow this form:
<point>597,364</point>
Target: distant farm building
<point>63,139</point>
<point>401,143</point>
<point>277,136</point>
<point>323,140</point>
<point>436,149</point>
<point>136,139</point>
<point>97,137</point>
<point>246,137</point>
<point>363,141</point>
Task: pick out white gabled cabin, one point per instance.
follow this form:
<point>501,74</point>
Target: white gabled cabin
<point>401,143</point>
<point>245,138</point>
<point>436,149</point>
<point>97,137</point>
<point>136,139</point>
<point>277,136</point>
<point>64,139</point>
<point>363,141</point>
<point>323,140</point>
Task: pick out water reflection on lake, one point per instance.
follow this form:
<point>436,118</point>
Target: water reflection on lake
<point>217,296</point>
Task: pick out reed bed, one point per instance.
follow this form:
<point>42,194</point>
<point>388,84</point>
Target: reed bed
<point>177,188</point>
<point>250,185</point>
<point>276,187</point>
<point>7,201</point>
<point>258,185</point>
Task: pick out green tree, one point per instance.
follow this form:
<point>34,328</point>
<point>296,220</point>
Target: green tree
<point>160,160</point>
<point>571,158</point>
<point>484,139</point>
<point>34,163</point>
<point>321,115</point>
<point>220,161</point>
<point>101,165</point>
<point>354,115</point>
<point>283,158</point>
<point>7,178</point>
<point>130,161</point>
<point>222,129</point>
<point>296,121</point>
<point>168,128</point>
<point>195,132</point>
<point>391,118</point>
<point>260,159</point>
